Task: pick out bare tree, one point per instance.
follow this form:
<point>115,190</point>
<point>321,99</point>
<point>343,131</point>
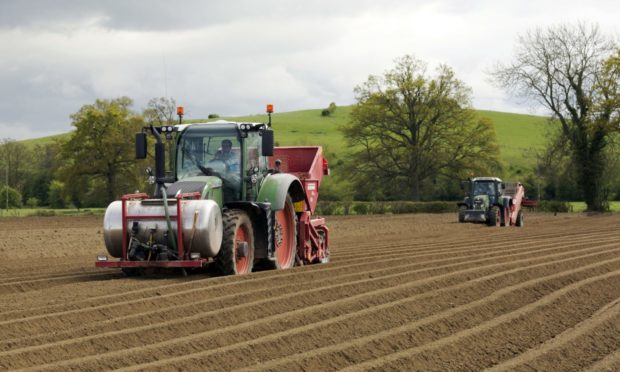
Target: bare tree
<point>160,111</point>
<point>562,68</point>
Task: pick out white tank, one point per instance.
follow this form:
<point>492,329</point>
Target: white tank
<point>207,231</point>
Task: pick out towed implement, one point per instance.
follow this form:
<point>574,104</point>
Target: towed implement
<point>494,202</point>
<point>228,196</point>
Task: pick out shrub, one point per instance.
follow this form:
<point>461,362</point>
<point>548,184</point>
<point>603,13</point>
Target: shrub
<point>32,202</point>
<point>14,197</point>
<point>379,207</point>
<point>332,107</point>
<point>213,116</point>
<point>325,112</point>
<point>44,213</point>
<point>554,206</point>
<point>360,207</point>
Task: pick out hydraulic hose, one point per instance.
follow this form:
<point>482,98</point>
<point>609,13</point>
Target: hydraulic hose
<point>171,234</point>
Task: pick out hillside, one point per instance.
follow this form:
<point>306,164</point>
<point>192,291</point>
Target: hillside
<point>518,135</point>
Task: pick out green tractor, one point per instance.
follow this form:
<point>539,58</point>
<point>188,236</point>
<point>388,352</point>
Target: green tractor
<point>489,200</point>
<point>228,195</point>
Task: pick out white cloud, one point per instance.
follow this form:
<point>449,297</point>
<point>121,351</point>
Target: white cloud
<point>233,57</point>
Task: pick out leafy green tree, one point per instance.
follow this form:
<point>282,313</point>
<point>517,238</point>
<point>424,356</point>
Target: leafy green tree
<point>409,129</point>
<point>14,197</point>
<point>44,164</point>
<point>18,159</point>
<point>56,196</point>
<point>101,148</point>
<point>568,70</point>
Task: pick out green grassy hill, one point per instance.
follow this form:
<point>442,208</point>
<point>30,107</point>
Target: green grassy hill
<point>519,136</point>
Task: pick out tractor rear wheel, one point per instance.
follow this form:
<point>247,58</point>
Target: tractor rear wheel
<point>236,255</point>
<point>520,220</point>
<point>285,236</point>
<point>494,217</point>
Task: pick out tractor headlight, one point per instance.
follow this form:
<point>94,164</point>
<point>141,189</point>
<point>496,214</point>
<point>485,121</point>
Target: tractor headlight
<point>194,255</point>
<point>102,258</point>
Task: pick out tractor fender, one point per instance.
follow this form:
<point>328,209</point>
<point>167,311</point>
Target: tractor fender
<point>275,187</point>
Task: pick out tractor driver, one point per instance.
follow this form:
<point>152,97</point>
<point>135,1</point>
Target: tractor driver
<point>228,156</point>
<point>224,153</point>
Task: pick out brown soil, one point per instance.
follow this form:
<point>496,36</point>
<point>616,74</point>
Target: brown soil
<point>408,292</point>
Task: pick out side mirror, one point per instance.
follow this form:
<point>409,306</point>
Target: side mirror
<point>140,145</point>
<point>503,186</point>
<point>462,185</point>
<point>267,143</point>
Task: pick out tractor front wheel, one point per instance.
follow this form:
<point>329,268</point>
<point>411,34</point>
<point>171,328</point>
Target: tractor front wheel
<point>236,255</point>
<point>494,217</point>
<point>285,235</point>
<point>462,210</point>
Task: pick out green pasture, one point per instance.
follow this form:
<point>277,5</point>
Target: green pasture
<point>519,136</point>
<point>614,206</point>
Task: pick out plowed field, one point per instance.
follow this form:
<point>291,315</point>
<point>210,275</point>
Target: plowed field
<point>407,292</point>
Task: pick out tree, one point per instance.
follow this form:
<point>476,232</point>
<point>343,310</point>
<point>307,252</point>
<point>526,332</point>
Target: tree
<point>563,68</point>
<point>18,159</point>
<point>160,111</point>
<point>101,148</point>
<point>408,129</point>
<point>44,165</point>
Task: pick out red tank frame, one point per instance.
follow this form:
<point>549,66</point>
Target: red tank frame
<point>184,263</point>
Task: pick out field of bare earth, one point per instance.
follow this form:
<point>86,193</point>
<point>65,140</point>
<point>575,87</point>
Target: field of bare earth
<point>402,292</point>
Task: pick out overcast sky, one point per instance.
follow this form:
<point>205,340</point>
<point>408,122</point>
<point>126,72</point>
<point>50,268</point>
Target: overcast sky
<point>232,57</point>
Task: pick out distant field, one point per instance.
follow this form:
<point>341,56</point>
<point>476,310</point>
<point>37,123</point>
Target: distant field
<point>518,135</point>
<point>614,206</point>
<point>44,212</point>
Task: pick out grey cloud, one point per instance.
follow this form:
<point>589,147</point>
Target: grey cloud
<point>168,15</point>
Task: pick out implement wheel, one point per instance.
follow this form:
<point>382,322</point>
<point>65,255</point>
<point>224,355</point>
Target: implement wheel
<point>236,254</point>
<point>285,236</point>
<point>520,220</point>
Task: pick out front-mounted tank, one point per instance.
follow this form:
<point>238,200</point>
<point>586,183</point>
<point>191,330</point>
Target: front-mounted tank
<point>201,220</point>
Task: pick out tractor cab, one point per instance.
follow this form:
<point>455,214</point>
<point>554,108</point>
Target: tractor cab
<point>224,154</point>
<point>487,189</point>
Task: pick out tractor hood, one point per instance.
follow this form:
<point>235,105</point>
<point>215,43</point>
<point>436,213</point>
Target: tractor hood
<point>481,202</point>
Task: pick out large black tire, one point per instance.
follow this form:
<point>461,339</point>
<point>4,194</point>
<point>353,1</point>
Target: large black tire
<point>237,228</point>
<point>520,219</point>
<point>285,236</point>
<point>494,216</point>
<point>462,210</point>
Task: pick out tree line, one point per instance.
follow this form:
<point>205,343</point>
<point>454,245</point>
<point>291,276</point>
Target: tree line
<point>93,166</point>
<point>412,135</point>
